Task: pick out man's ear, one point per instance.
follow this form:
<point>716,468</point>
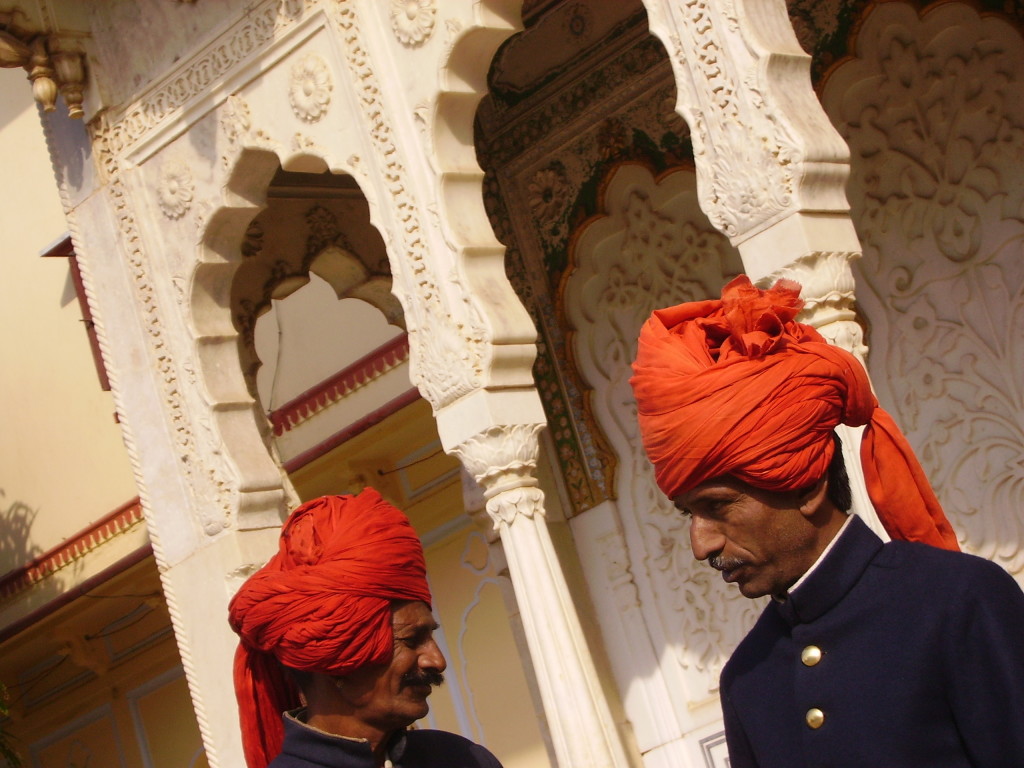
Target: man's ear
<point>812,498</point>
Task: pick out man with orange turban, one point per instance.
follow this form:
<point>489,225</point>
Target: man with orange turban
<point>337,633</point>
<point>900,654</point>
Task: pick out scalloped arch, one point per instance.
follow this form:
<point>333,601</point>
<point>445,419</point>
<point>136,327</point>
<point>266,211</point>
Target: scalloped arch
<point>226,371</point>
<point>479,254</point>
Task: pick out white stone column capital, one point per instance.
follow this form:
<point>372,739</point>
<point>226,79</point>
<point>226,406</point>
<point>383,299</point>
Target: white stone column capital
<point>828,294</point>
<point>502,458</point>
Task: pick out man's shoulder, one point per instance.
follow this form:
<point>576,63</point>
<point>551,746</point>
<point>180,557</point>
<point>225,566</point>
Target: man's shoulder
<point>454,751</point>
<point>932,561</point>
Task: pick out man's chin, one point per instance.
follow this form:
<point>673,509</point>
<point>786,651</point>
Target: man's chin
<point>417,705</point>
<point>752,589</point>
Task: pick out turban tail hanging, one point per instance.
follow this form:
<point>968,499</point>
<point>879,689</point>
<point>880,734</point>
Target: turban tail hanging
<point>737,387</point>
<point>321,604</point>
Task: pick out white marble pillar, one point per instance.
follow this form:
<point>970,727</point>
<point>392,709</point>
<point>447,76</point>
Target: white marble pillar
<point>503,460</point>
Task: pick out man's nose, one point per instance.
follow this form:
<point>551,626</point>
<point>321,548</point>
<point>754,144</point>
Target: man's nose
<point>705,538</point>
<point>432,658</point>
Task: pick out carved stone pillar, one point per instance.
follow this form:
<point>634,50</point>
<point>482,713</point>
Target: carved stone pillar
<point>772,170</point>
<point>503,460</point>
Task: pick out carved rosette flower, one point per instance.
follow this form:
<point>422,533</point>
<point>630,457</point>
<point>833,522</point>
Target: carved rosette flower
<point>176,190</point>
<point>548,192</point>
<point>412,20</point>
<point>310,90</point>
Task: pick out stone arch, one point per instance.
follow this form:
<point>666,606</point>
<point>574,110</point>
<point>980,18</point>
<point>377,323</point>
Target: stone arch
<point>479,255</point>
<point>261,486</point>
<point>234,283</point>
<point>953,230</point>
<point>669,623</point>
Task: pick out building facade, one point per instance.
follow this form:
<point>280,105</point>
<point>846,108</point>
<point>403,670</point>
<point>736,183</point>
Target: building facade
<point>331,243</point>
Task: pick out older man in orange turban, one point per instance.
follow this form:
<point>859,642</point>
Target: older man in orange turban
<point>337,633</point>
<point>897,654</point>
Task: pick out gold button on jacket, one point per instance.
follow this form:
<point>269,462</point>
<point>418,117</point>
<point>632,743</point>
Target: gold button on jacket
<point>811,655</point>
<point>814,717</point>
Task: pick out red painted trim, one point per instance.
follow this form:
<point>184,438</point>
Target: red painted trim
<point>360,373</point>
<point>353,429</point>
<point>75,592</point>
<point>71,549</point>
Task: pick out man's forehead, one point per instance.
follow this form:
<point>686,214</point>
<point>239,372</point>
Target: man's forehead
<point>415,615</point>
<point>713,486</point>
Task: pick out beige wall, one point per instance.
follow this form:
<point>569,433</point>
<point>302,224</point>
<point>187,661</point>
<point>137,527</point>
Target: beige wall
<point>62,461</point>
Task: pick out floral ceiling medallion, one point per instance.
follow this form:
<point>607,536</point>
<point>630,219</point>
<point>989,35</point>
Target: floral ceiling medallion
<point>412,20</point>
<point>176,189</point>
<point>311,86</point>
<point>549,190</point>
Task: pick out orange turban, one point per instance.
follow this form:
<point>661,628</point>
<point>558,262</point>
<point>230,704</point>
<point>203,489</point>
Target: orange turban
<point>737,387</point>
<point>322,604</point>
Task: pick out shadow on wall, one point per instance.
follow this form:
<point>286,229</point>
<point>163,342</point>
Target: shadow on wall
<point>16,547</point>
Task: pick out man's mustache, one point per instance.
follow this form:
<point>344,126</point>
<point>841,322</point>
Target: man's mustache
<point>720,563</point>
<point>424,677</point>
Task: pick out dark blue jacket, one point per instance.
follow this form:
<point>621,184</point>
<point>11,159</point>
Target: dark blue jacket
<point>921,664</point>
<point>306,747</point>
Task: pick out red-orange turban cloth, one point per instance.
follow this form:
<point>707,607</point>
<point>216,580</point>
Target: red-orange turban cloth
<point>737,387</point>
<point>322,604</point>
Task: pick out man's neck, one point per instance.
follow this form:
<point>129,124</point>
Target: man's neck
<point>348,727</point>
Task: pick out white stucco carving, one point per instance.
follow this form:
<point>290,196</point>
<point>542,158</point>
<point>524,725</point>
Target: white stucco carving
<point>763,147</point>
<point>412,21</point>
<point>309,92</point>
<point>933,113</point>
<point>502,458</point>
<point>827,291</point>
<point>176,189</point>
<point>453,349</point>
<point>652,248</point>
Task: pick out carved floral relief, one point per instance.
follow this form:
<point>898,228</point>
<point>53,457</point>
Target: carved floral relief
<point>933,110</point>
<point>235,118</point>
<point>549,190</point>
<point>175,190</point>
<point>309,91</point>
<point>412,21</point>
<point>653,249</point>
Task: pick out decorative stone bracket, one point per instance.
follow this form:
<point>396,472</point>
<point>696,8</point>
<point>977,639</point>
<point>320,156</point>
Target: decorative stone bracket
<point>53,63</point>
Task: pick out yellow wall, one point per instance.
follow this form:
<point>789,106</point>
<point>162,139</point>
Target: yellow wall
<point>100,683</point>
<point>62,461</point>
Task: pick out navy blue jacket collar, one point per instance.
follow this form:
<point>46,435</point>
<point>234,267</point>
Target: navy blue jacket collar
<point>834,577</point>
<point>318,748</point>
